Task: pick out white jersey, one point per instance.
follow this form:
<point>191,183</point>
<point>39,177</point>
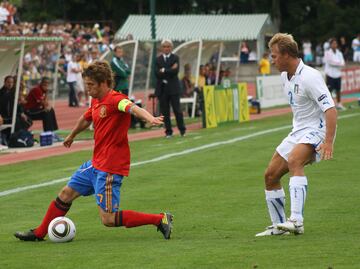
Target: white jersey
<point>309,98</point>
<point>333,63</point>
<point>71,75</point>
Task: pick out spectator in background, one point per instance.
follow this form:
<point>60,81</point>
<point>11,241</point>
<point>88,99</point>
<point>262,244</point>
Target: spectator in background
<point>244,53</point>
<point>73,68</point>
<point>200,89</point>
<point>334,61</point>
<point>168,87</point>
<point>187,82</point>
<point>344,48</point>
<point>253,56</point>
<point>211,75</point>
<point>121,71</point>
<point>4,13</point>
<point>264,65</point>
<point>7,99</point>
<point>37,106</point>
<point>356,48</point>
<point>202,77</point>
<point>214,58</point>
<point>319,55</point>
<point>226,80</point>
<point>326,45</point>
<point>187,85</point>
<point>94,55</point>
<point>307,52</point>
<point>80,89</point>
<point>83,65</point>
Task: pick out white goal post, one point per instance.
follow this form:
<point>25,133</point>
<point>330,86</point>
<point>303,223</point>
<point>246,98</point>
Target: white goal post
<point>192,100</point>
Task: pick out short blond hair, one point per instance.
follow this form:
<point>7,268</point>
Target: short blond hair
<point>285,43</point>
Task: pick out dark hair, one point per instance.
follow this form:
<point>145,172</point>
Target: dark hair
<point>117,47</point>
<point>7,77</point>
<point>99,71</point>
<point>44,79</point>
<point>332,40</point>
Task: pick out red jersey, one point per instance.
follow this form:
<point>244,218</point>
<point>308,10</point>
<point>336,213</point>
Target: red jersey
<point>35,98</point>
<point>111,118</point>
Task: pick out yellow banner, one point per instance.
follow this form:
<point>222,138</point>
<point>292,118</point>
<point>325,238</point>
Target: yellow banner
<point>225,104</point>
<point>243,101</point>
<point>209,107</point>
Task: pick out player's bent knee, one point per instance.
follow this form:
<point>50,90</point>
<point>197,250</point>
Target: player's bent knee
<point>67,194</point>
<point>269,176</point>
<point>271,179</point>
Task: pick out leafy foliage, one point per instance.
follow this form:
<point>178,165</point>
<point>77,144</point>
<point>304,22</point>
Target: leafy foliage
<point>316,20</point>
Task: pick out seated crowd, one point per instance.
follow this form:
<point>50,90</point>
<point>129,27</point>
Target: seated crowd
<point>33,106</point>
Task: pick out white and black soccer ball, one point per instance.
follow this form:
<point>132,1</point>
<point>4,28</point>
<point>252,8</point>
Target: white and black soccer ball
<point>61,229</point>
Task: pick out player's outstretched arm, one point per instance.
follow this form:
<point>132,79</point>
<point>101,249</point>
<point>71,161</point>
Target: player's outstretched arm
<point>80,126</point>
<point>326,148</point>
<point>146,116</point>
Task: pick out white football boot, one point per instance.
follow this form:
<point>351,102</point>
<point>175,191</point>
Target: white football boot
<point>272,230</point>
<point>291,226</point>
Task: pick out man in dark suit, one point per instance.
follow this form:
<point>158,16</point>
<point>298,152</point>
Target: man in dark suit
<point>168,88</point>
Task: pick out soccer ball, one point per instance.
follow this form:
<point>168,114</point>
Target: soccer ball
<point>61,229</point>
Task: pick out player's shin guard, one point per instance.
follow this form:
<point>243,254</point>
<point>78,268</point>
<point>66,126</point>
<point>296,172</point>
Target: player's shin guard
<point>129,218</point>
<point>275,200</point>
<point>57,208</point>
<point>298,190</point>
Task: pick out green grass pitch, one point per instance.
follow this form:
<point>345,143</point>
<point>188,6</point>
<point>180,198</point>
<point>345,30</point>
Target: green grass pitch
<point>216,195</point>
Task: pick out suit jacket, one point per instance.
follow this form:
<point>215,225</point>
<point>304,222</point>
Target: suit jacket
<point>167,82</point>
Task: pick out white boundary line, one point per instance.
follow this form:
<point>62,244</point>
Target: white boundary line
<point>166,156</point>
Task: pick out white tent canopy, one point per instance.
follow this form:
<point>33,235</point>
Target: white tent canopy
<point>232,27</point>
<point>12,51</point>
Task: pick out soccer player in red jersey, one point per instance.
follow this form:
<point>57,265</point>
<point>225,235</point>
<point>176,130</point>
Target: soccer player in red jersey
<point>110,112</point>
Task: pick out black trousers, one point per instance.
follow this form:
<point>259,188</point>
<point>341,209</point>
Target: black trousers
<point>73,101</point>
<point>165,102</point>
<point>47,116</point>
<point>20,124</point>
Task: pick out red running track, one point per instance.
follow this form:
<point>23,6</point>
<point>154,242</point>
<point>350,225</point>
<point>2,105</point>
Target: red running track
<point>67,117</point>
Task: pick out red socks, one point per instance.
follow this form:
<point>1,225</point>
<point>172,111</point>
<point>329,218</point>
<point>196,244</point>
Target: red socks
<point>56,209</point>
<point>129,218</point>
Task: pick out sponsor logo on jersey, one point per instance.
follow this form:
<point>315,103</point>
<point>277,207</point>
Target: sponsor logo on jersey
<point>322,97</point>
<point>296,89</point>
<point>102,113</point>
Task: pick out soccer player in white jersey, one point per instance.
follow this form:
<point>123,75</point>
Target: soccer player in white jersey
<point>310,140</point>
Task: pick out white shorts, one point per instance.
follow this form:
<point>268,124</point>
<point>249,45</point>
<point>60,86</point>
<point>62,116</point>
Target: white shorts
<point>305,136</point>
<point>356,56</point>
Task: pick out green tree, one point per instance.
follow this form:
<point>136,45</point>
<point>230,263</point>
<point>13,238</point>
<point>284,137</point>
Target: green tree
<point>312,19</point>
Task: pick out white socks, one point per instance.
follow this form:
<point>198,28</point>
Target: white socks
<point>275,200</point>
<point>298,189</point>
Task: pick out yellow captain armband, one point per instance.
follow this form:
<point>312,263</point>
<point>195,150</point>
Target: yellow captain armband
<point>125,104</point>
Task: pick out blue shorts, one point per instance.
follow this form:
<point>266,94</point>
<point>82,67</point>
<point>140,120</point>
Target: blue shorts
<point>88,180</point>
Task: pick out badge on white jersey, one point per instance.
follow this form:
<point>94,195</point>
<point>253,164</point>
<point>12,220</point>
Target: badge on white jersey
<point>296,89</point>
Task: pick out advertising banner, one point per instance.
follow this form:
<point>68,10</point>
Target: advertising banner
<point>225,104</point>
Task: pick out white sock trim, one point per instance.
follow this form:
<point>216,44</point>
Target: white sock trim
<point>273,194</point>
<point>298,181</point>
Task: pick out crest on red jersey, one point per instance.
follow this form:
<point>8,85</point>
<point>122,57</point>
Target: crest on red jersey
<point>102,113</point>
